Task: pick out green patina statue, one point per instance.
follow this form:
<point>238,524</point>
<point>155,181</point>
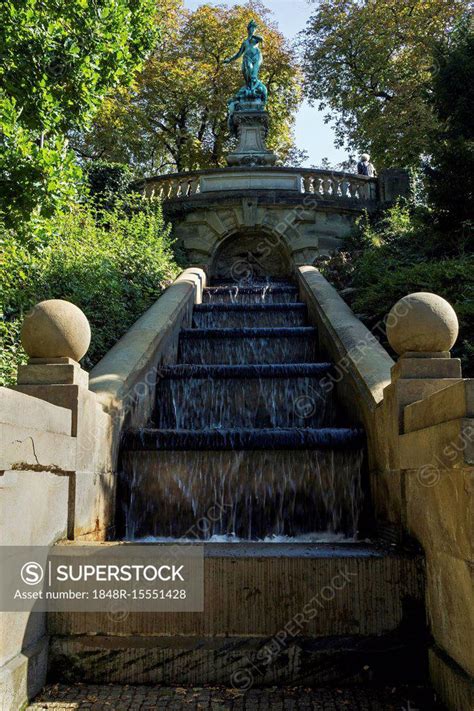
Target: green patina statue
<point>254,89</point>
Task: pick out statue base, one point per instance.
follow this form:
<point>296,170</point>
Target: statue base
<point>249,123</point>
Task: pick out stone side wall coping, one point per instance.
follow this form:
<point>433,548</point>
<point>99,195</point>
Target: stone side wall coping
<point>453,402</point>
<point>355,348</point>
<point>260,169</point>
<point>25,411</point>
<point>447,445</point>
<point>114,376</point>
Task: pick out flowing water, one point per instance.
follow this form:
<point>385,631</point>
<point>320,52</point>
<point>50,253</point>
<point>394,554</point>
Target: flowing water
<point>247,442</point>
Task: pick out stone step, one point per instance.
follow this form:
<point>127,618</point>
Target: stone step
<point>292,613</point>
<point>215,440</point>
<point>224,315</point>
<point>210,307</point>
<point>196,397</point>
<point>262,482</point>
<point>247,345</point>
<point>250,294</point>
<point>252,371</point>
<point>237,661</point>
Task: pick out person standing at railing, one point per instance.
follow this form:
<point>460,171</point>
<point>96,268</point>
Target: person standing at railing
<point>365,167</point>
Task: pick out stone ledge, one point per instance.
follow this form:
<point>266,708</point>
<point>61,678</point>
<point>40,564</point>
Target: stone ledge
<point>366,360</point>
<point>330,595</point>
<point>447,445</point>
<point>453,402</point>
<point>142,346</point>
<point>192,661</point>
<point>25,411</point>
<point>30,449</point>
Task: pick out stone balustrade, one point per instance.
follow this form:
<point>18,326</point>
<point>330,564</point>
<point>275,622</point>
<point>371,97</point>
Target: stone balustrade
<point>328,185</point>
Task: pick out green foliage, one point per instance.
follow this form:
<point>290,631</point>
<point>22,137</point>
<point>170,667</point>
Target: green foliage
<point>451,178</point>
<point>59,58</point>
<point>113,265</point>
<point>35,177</point>
<point>175,115</point>
<point>369,63</point>
<point>395,256</point>
<point>58,61</point>
<point>108,182</point>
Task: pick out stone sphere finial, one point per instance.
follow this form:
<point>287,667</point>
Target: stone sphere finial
<point>423,323</point>
<point>56,329</point>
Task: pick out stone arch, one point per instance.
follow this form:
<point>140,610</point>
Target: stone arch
<point>251,253</point>
<point>302,233</point>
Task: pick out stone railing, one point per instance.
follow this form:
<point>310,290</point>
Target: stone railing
<point>418,414</point>
<point>328,185</point>
<point>60,433</point>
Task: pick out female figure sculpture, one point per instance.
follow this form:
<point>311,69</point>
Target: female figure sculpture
<point>251,62</point>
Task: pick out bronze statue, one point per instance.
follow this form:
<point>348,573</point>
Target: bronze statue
<point>251,62</point>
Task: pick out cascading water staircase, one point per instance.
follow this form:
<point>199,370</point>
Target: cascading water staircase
<point>246,424</point>
<point>250,452</point>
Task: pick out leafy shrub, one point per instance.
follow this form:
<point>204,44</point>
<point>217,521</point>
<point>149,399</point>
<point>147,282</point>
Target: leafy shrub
<point>112,265</point>
<point>107,181</point>
<point>398,255</point>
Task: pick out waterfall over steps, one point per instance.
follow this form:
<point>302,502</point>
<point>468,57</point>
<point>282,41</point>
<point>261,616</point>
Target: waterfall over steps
<point>247,437</point>
<point>249,451</point>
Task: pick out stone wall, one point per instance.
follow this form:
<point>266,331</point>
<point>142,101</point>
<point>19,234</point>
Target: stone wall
<point>59,437</point>
<point>293,228</point>
<point>289,215</point>
<point>419,417</point>
<point>37,457</point>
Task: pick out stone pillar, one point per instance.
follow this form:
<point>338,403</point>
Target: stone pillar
<point>428,413</point>
<point>56,335</point>
<point>421,328</point>
<point>249,123</point>
<point>393,183</point>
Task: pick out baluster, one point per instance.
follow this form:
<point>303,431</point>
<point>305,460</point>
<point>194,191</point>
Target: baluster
<point>363,191</point>
<point>328,186</point>
<point>168,189</point>
<point>161,190</point>
<point>307,183</point>
<point>353,189</point>
<point>175,188</point>
<point>194,185</point>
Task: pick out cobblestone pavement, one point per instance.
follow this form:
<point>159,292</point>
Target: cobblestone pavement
<point>140,698</point>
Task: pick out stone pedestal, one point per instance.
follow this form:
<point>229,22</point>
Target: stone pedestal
<point>249,123</point>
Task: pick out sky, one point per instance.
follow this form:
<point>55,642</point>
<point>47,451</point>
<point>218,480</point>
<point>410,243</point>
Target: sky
<point>312,134</point>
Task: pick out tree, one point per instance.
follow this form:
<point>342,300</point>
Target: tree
<point>369,63</point>
<point>58,60</point>
<point>175,116</point>
<point>451,174</point>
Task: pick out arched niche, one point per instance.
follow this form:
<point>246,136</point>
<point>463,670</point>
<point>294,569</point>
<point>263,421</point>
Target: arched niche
<point>248,255</point>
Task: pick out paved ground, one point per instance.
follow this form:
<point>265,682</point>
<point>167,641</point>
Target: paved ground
<point>141,698</point>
